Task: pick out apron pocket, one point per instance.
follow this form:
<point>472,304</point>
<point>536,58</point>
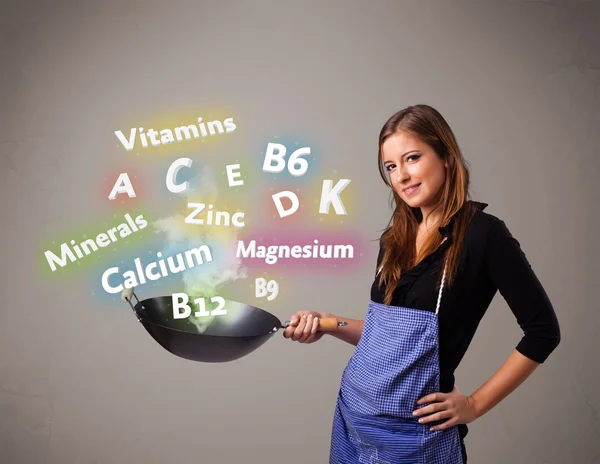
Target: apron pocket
<point>383,440</point>
<point>384,446</point>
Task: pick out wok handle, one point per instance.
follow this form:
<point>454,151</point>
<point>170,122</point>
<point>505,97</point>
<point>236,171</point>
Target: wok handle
<point>126,296</point>
<point>327,324</point>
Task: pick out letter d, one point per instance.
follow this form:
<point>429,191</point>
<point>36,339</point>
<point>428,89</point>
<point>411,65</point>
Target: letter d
<point>295,203</point>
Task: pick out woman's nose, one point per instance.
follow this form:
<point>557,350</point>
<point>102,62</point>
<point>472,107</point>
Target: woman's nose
<point>401,175</point>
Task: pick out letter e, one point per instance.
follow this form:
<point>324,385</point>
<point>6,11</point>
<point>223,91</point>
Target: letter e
<point>231,175</point>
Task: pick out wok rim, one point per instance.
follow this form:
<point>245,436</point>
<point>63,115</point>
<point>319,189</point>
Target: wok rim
<point>170,329</point>
<point>145,319</point>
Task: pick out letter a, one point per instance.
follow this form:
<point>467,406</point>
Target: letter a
<point>122,185</point>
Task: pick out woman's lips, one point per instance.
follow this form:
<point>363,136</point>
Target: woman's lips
<point>411,190</point>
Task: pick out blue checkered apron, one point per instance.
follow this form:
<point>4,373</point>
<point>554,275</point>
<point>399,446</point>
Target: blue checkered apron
<point>394,364</point>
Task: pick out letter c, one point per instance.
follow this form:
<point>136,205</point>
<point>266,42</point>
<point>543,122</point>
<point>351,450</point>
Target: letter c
<point>172,174</point>
<point>106,286</point>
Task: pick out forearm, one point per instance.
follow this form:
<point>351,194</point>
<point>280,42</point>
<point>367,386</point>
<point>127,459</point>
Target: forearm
<point>350,333</point>
<point>512,374</point>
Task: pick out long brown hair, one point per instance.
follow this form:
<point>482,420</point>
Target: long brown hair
<point>398,240</point>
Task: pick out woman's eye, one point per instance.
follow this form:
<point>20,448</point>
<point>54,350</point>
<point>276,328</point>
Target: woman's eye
<point>416,157</point>
<point>389,167</point>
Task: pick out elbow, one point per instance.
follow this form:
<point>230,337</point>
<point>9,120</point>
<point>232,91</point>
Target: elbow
<point>557,336</point>
<point>552,344</point>
<point>551,341</point>
<point>539,347</point>
<point>554,337</point>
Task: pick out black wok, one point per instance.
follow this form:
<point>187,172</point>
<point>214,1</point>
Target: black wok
<point>220,339</point>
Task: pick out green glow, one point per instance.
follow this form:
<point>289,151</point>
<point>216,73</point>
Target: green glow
<point>123,249</point>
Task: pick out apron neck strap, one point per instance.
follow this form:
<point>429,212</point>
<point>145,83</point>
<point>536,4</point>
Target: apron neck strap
<point>437,308</point>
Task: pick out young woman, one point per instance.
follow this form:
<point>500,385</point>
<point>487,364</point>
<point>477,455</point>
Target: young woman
<point>441,261</point>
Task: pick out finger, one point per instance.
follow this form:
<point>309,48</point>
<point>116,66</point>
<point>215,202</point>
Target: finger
<point>430,409</point>
<point>299,330</point>
<point>445,425</point>
<point>431,398</point>
<point>313,331</point>
<point>435,417</point>
<point>289,330</point>
<point>307,328</point>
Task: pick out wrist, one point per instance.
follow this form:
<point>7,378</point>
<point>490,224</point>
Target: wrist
<point>475,406</point>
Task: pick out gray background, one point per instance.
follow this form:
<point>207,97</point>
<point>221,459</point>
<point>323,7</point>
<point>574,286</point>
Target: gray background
<point>81,382</point>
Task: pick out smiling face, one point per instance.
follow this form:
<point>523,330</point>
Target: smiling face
<point>416,172</point>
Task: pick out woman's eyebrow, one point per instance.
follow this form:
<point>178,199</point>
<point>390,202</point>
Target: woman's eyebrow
<point>409,152</point>
<point>403,155</point>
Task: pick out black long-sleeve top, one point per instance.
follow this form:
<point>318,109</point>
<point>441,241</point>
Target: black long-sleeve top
<point>491,260</point>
